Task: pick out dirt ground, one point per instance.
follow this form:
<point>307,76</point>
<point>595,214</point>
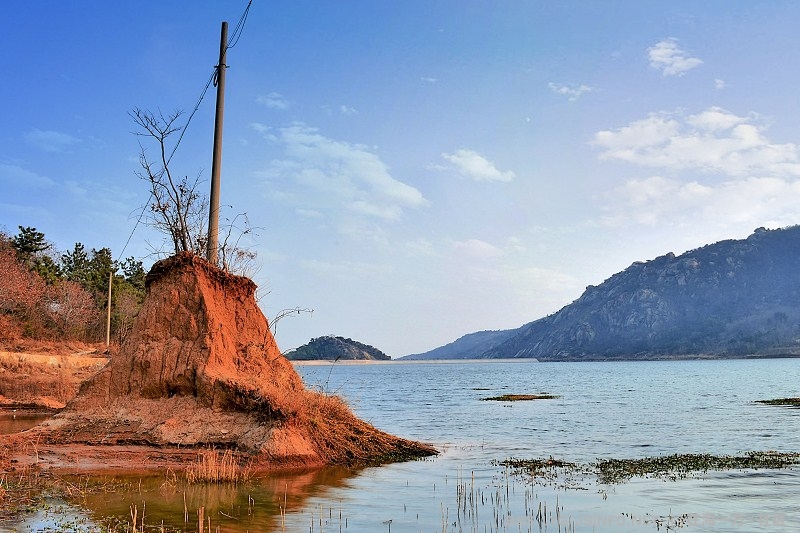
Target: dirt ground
<point>36,374</point>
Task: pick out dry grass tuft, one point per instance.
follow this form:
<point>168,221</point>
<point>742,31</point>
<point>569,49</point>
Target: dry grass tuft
<point>213,466</point>
<point>341,438</point>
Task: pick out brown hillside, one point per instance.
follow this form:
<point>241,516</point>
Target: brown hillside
<point>201,368</point>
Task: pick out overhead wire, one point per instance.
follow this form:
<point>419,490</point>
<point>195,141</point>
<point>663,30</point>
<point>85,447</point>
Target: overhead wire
<point>232,41</point>
<point>239,28</point>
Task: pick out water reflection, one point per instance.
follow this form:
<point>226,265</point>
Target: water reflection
<point>17,421</point>
<point>257,505</point>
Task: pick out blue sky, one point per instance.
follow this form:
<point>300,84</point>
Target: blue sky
<point>417,170</point>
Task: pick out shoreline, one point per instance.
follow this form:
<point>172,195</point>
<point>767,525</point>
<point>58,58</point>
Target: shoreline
<point>328,362</point>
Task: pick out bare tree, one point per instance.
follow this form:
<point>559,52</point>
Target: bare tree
<point>176,207</point>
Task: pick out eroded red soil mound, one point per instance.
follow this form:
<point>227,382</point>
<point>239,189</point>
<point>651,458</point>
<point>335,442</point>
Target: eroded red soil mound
<point>201,368</point>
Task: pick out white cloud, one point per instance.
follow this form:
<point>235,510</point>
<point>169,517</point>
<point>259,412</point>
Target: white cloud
<point>347,110</point>
<point>420,248</point>
<point>308,213</point>
<point>713,141</point>
<point>478,249</point>
<point>13,175</point>
<point>746,203</point>
<point>428,79</point>
<point>715,119</point>
<point>572,92</point>
<point>671,60</point>
<point>337,177</point>
<point>719,84</point>
<point>273,100</point>
<point>473,165</point>
<point>51,141</point>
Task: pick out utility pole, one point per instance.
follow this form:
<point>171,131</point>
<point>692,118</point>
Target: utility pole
<point>108,315</point>
<point>216,161</point>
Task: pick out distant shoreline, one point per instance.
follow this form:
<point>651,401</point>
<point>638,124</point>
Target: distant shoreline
<point>323,362</point>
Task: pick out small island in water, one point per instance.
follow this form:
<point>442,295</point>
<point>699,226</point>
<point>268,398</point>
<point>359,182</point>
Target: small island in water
<point>330,348</point>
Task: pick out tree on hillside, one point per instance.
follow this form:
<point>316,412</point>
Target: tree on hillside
<point>20,291</point>
<point>75,264</point>
<point>46,298</point>
<point>176,206</point>
<point>134,272</point>
<point>29,242</point>
<point>32,248</point>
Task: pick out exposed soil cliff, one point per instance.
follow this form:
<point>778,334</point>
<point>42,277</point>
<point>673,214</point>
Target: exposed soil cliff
<point>201,368</point>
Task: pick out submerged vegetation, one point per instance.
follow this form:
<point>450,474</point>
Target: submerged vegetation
<point>520,397</point>
<point>788,402</point>
<point>671,467</point>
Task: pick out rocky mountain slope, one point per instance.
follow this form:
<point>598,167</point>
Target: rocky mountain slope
<point>734,298</point>
<point>330,348</point>
<point>470,346</point>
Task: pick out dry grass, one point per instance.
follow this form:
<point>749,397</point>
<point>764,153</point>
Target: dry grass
<point>343,439</point>
<point>213,466</point>
<point>20,488</point>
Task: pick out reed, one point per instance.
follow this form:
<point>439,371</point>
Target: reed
<point>213,466</point>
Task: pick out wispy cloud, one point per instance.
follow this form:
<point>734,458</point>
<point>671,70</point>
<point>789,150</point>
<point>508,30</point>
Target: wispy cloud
<point>719,84</point>
<point>346,269</point>
<point>14,175</point>
<point>51,141</point>
<point>273,100</point>
<point>756,181</point>
<point>713,141</point>
<point>572,92</point>
<point>473,165</point>
<point>336,177</point>
<point>671,60</point>
<point>747,203</point>
<point>477,249</point>
<point>428,79</point>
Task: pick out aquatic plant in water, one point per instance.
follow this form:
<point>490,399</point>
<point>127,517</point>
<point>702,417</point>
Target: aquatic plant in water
<point>520,397</point>
<point>788,402</point>
<point>673,467</point>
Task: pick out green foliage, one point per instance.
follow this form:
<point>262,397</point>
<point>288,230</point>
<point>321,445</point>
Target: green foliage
<point>330,348</point>
<point>75,264</point>
<point>47,268</point>
<point>134,272</point>
<point>74,296</point>
<point>29,242</point>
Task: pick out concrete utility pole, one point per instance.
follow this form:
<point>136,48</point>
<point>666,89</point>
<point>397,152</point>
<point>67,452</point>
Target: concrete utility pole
<point>216,161</point>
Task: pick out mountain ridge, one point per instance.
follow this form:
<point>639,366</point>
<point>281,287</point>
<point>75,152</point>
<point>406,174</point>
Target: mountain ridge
<point>733,298</point>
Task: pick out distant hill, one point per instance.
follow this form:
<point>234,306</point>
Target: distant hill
<point>470,346</point>
<point>734,298</point>
<point>331,348</point>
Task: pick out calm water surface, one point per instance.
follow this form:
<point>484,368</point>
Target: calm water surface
<point>604,410</point>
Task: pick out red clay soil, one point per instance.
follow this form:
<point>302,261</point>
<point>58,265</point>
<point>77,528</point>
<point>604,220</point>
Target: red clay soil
<point>201,369</point>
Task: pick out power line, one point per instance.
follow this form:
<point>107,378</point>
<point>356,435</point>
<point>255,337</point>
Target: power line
<point>232,41</point>
<point>237,31</point>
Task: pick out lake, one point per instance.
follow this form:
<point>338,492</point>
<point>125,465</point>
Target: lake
<point>620,410</point>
